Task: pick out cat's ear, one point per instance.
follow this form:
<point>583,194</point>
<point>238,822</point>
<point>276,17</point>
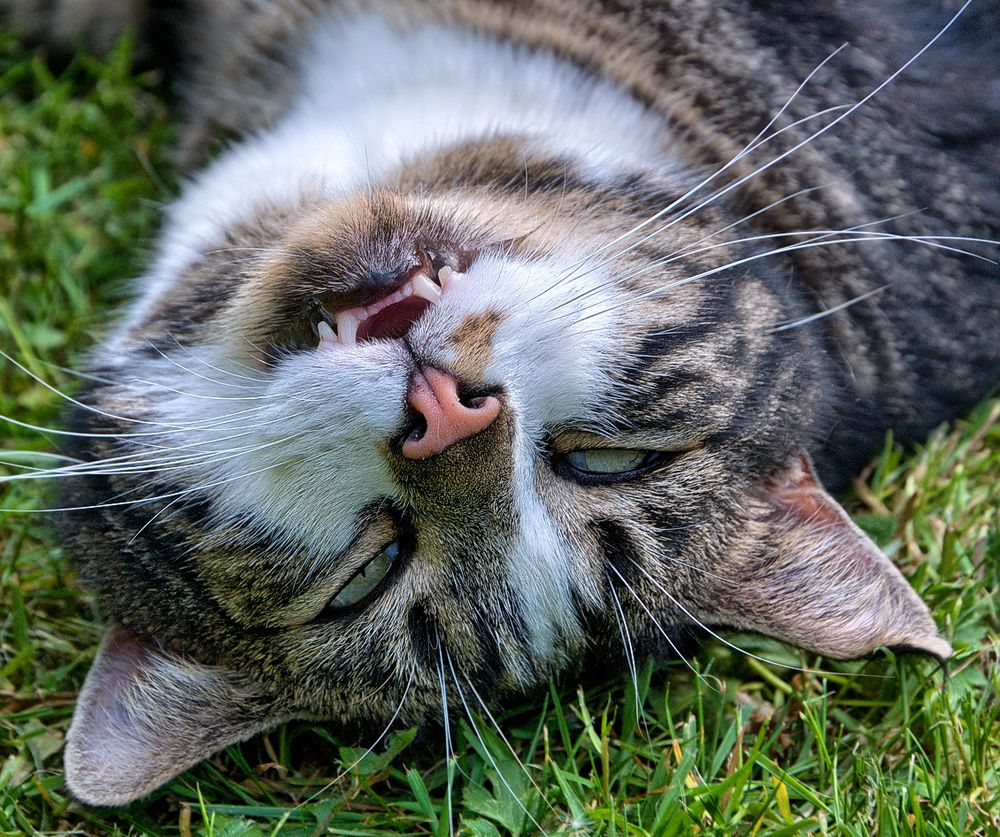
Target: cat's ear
<point>143,717</point>
<point>814,579</point>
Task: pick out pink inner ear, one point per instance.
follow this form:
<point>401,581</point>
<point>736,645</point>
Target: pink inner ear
<point>121,661</point>
<point>803,496</point>
<point>142,717</point>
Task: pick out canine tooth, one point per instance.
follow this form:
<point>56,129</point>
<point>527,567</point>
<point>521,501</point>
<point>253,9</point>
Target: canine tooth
<point>362,314</point>
<point>425,288</point>
<point>407,290</point>
<point>325,332</point>
<point>347,327</point>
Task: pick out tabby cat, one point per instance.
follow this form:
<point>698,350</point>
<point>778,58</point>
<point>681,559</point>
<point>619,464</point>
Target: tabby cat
<point>492,341</point>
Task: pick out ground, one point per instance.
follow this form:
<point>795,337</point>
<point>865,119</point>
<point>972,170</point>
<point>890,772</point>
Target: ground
<point>778,743</point>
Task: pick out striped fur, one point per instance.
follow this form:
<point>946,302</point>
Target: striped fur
<point>529,143</point>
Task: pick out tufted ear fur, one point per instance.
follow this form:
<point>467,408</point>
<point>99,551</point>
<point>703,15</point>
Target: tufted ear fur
<point>814,579</point>
<point>143,717</point>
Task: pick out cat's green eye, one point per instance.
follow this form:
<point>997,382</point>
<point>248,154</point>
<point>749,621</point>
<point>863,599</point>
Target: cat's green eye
<point>606,460</point>
<point>603,465</point>
<point>365,581</point>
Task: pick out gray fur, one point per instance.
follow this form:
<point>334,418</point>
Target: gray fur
<point>739,368</point>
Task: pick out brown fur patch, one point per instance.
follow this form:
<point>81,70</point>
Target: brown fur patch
<point>473,342</point>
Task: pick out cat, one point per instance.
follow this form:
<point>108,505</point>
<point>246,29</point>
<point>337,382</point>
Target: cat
<point>490,341</point>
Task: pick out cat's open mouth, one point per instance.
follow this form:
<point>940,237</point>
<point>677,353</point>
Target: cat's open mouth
<point>391,317</point>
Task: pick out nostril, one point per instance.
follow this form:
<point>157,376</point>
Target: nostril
<point>418,429</point>
<point>475,402</point>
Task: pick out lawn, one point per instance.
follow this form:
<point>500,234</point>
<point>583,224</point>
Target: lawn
<point>777,743</point>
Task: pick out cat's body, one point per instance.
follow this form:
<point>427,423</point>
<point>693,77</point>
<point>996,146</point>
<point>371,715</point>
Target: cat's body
<point>506,154</point>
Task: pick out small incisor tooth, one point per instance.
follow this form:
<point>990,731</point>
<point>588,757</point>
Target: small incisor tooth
<point>425,288</point>
<point>347,327</point>
<point>325,332</point>
<point>448,274</point>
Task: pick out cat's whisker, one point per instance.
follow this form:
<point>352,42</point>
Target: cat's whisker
<point>819,234</point>
<point>486,750</point>
<point>146,500</point>
<point>269,251</point>
<point>204,396</point>
<point>677,603</point>
<point>819,315</point>
<point>692,250</point>
<point>788,102</point>
<point>35,454</point>
<point>449,752</point>
<point>103,469</point>
<point>622,624</point>
<point>72,400</point>
<point>482,703</point>
<point>100,379</point>
<point>684,214</point>
<point>151,520</point>
<point>147,459</point>
<point>662,631</point>
<point>264,353</point>
<point>80,435</point>
<point>199,375</point>
<point>676,254</point>
<point>370,749</point>
<point>679,202</point>
<point>823,241</point>
<point>818,133</point>
<point>258,378</point>
<point>168,428</point>
<point>823,238</point>
<point>150,465</point>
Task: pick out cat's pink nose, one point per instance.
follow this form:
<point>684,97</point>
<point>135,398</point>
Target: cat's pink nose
<point>434,395</point>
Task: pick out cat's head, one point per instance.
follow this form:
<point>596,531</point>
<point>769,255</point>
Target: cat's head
<point>448,438</point>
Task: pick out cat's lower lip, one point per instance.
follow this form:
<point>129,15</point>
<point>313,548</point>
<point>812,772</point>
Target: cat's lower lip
<point>393,315</point>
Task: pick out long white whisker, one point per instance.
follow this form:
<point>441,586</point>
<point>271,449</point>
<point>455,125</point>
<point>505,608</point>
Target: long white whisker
<point>486,750</point>
<point>147,500</point>
<point>258,378</point>
<point>625,634</point>
<point>660,628</point>
<point>822,241</point>
<point>147,460</point>
<point>505,740</point>
<point>448,749</point>
<point>399,708</point>
<point>726,642</point>
<point>70,399</point>
<point>820,314</point>
<point>754,144</point>
<point>815,135</point>
<point>181,366</point>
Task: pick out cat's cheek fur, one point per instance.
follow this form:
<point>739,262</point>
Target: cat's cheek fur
<point>308,443</point>
<point>143,717</point>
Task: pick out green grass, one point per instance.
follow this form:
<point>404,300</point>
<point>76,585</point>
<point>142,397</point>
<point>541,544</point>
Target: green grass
<point>729,746</point>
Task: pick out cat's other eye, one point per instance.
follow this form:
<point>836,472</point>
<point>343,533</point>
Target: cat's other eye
<point>600,466</point>
<point>366,579</point>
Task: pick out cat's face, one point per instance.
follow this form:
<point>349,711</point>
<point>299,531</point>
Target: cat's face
<point>449,441</point>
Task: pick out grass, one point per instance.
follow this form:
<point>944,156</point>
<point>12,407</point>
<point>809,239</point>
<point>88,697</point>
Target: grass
<point>731,745</point>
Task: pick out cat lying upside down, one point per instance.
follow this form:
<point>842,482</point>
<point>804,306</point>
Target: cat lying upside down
<point>503,339</point>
